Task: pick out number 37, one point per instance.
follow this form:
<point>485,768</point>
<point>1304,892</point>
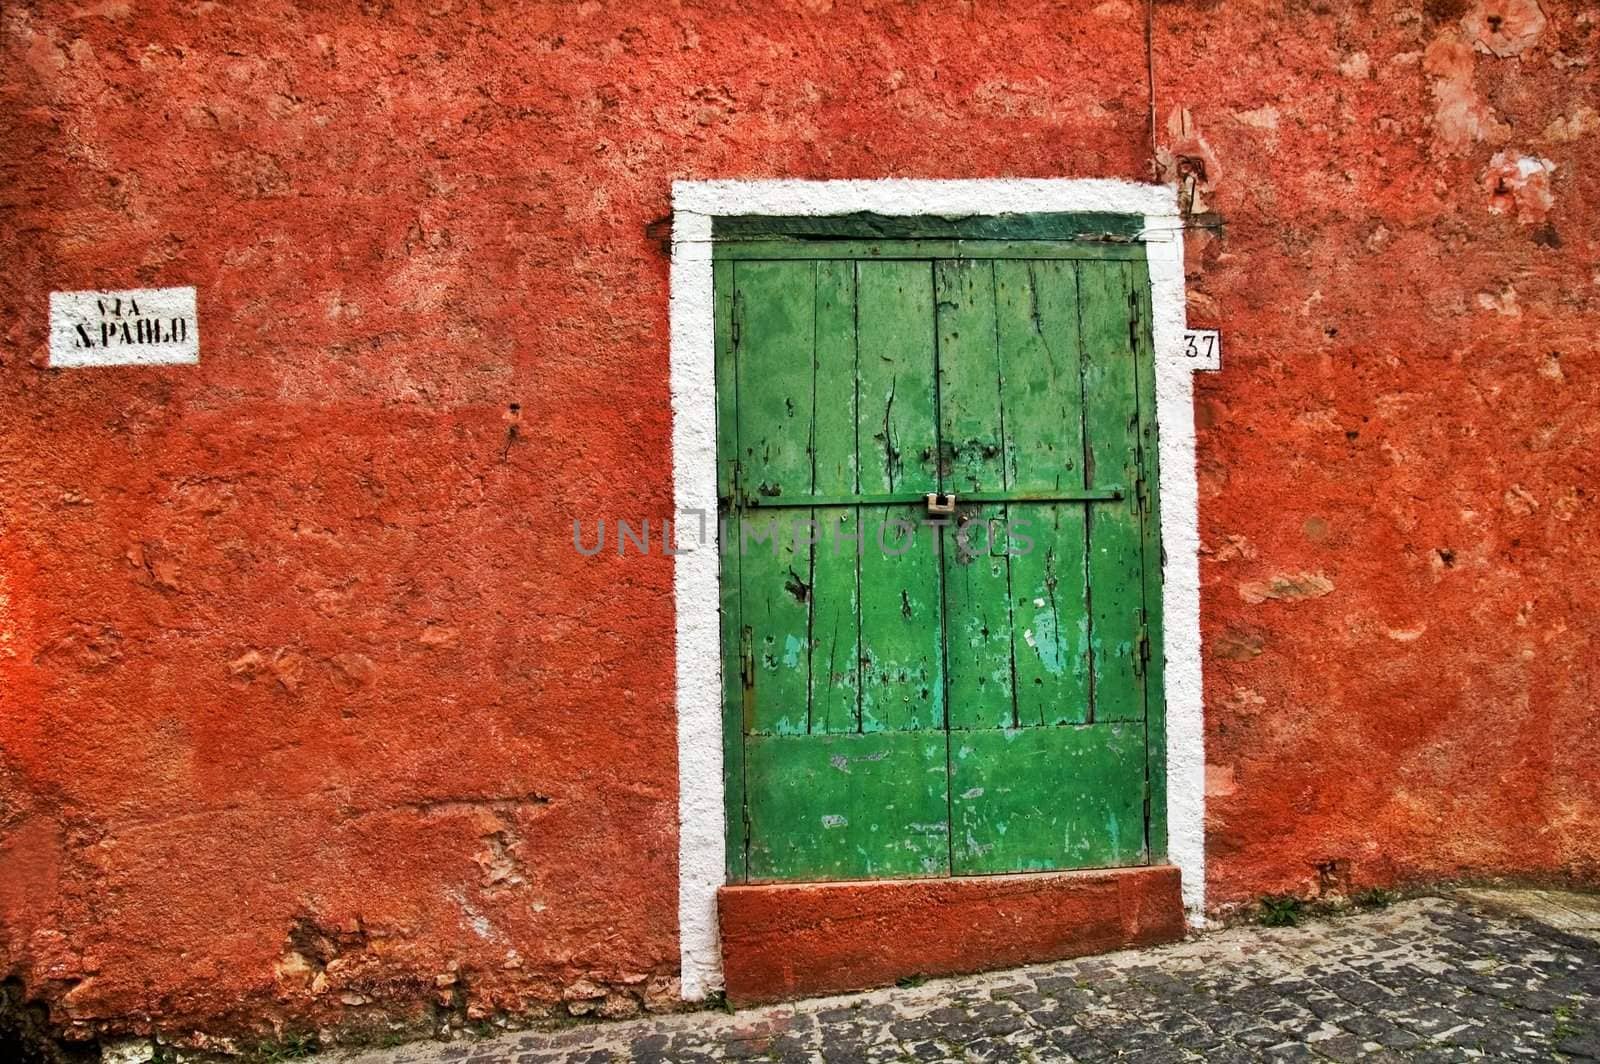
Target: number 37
<point>1203,348</point>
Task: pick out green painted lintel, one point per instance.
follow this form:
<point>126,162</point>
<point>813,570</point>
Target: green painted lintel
<point>779,248</point>
<point>1097,227</point>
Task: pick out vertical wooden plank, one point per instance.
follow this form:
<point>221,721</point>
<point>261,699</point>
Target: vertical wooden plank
<point>978,626</point>
<point>972,445</point>
<point>972,435</point>
<point>835,622</point>
<point>895,340</point>
<point>1049,581</point>
<point>775,315</point>
<point>728,561</point>
<point>835,612</point>
<point>902,678</point>
<point>1111,416</point>
<point>835,374</point>
<point>1036,305</point>
<point>1155,702</point>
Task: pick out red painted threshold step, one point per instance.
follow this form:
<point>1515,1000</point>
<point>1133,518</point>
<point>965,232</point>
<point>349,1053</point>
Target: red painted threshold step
<point>789,940</point>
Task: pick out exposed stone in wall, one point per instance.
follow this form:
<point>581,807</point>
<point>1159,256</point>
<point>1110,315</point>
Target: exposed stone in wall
<point>1286,587</point>
<point>1461,116</point>
<point>1520,184</point>
<point>1504,27</point>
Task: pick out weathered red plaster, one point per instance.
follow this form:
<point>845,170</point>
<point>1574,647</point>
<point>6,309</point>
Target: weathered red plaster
<point>796,939</point>
<point>1408,412</point>
<point>310,713</point>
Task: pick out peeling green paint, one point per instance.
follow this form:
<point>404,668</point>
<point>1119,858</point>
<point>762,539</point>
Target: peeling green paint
<point>1014,377</point>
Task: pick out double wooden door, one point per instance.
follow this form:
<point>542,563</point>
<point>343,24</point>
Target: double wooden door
<point>940,574</point>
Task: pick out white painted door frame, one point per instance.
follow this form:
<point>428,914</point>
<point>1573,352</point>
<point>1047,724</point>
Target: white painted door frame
<point>701,825</point>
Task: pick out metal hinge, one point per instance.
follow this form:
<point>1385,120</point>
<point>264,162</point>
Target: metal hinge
<point>747,679</point>
<point>735,329</point>
<point>1143,662</point>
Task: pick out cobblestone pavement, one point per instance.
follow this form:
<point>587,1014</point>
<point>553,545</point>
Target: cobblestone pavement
<point>1424,980</point>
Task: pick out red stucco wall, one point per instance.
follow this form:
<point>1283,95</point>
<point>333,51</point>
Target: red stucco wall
<point>309,712</point>
<point>1398,467</point>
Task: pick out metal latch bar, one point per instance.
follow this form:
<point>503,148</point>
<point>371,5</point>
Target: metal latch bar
<point>1107,493</point>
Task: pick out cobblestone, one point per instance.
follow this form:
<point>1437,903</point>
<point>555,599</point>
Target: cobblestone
<point>1432,979</point>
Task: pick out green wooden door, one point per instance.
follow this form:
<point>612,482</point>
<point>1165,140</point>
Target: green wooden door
<point>915,699</point>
